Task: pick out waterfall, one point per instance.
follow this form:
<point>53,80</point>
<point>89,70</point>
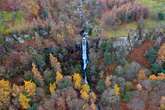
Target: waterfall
<point>84,56</point>
<point>84,43</point>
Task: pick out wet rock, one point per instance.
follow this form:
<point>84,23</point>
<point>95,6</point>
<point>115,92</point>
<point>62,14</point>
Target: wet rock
<point>27,37</point>
<point>20,40</point>
<point>43,32</point>
<point>9,39</point>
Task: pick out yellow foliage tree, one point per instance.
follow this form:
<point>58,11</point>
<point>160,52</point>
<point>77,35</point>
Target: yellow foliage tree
<point>30,87</point>
<point>59,76</point>
<point>77,85</point>
<point>84,95</point>
<point>37,75</point>
<point>85,89</point>
<point>117,89</point>
<point>5,91</point>
<point>24,101</point>
<point>77,80</point>
<point>52,88</point>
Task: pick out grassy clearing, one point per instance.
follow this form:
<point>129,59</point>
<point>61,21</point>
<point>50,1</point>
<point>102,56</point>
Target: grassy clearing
<point>154,6</point>
<point>123,30</point>
<point>9,20</point>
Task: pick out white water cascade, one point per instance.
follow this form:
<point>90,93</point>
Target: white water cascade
<point>84,42</point>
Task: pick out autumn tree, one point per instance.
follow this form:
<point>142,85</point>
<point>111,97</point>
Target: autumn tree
<point>161,53</point>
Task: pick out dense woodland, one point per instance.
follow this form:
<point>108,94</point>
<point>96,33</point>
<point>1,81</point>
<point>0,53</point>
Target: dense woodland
<point>40,55</point>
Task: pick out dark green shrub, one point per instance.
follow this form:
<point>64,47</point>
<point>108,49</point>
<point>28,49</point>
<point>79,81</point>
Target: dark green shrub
<point>77,68</point>
<point>44,14</point>
<point>107,58</point>
<point>100,86</point>
<point>33,107</point>
<point>163,68</point>
<point>39,60</point>
<point>106,45</point>
<point>152,54</point>
<point>52,50</point>
<point>49,76</point>
<point>161,16</point>
<point>156,68</point>
<point>103,45</point>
